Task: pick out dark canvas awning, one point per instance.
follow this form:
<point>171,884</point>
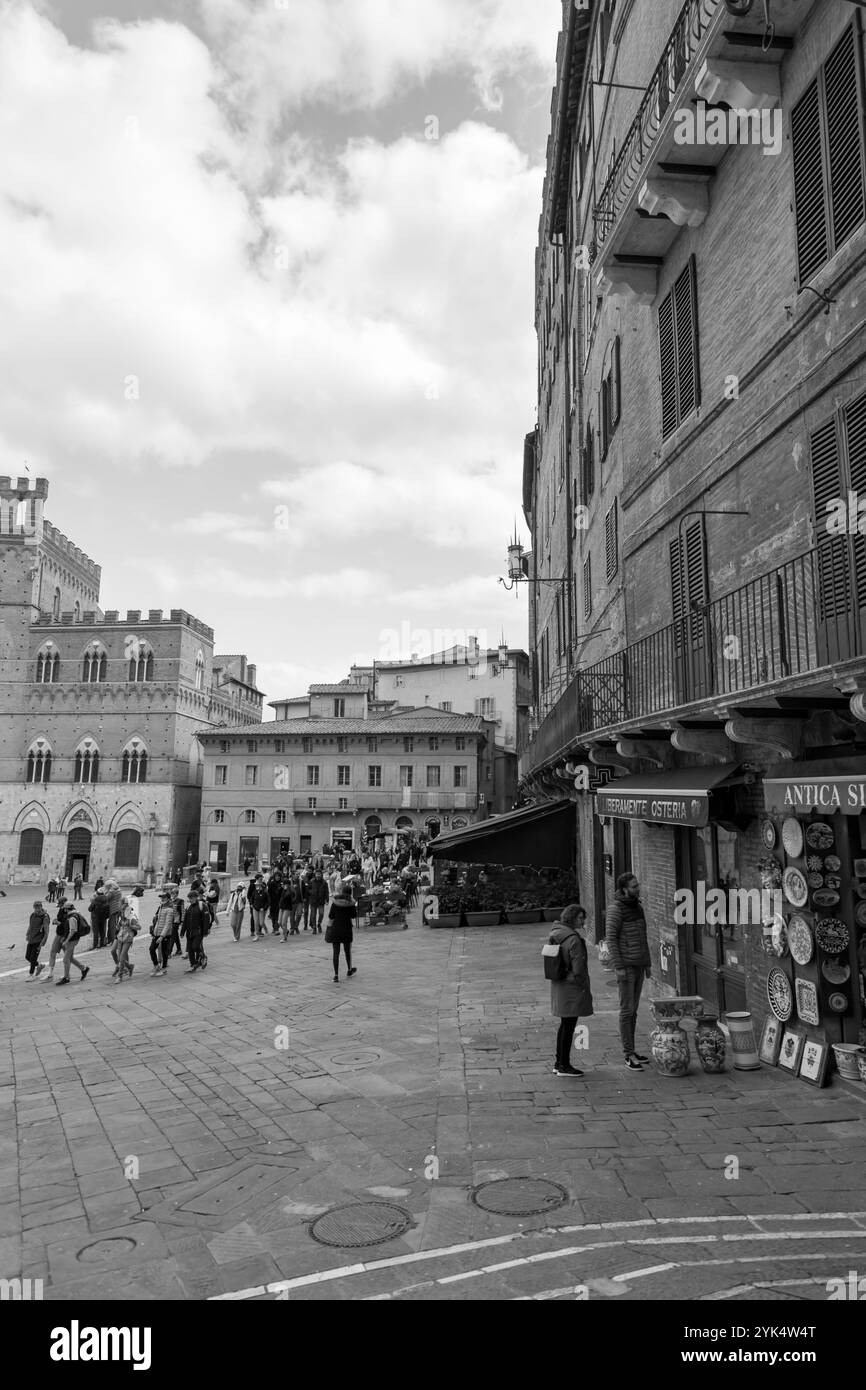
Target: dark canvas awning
<point>542,836</point>
<point>828,785</point>
<point>681,797</point>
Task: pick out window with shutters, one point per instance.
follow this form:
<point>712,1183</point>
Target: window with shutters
<point>828,152</point>
<point>587,467</point>
<point>603,420</point>
<point>690,595</point>
<point>838,452</point>
<point>678,351</point>
<point>611,542</point>
<point>587,586</point>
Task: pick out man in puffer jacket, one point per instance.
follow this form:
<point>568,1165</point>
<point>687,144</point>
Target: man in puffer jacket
<point>626,936</point>
<point>115,908</point>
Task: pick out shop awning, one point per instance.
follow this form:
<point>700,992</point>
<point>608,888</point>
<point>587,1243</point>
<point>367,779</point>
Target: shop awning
<point>542,836</point>
<point>829,785</point>
<point>681,797</point>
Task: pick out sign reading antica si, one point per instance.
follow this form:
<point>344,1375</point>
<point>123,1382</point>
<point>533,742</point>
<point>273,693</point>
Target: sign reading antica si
<point>832,794</point>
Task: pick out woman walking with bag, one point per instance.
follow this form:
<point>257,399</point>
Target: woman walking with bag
<point>570,995</point>
<point>237,908</point>
<point>339,932</point>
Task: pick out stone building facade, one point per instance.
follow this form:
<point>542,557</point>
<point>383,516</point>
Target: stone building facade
<point>701,675</point>
<point>298,784</point>
<point>100,770</point>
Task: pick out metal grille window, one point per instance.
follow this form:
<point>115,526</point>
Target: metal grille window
<point>678,351</point>
<point>587,586</point>
<point>828,152</point>
<point>611,542</point>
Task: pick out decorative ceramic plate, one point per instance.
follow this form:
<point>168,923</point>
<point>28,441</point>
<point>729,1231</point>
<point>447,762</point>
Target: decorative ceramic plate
<point>792,837</point>
<point>860,914</point>
<point>819,835</point>
<point>807,1002</point>
<point>815,880</point>
<point>860,868</point>
<point>832,863</point>
<point>835,972</point>
<point>800,941</point>
<point>768,834</point>
<point>779,995</point>
<point>795,888</point>
<point>838,1002</point>
<point>771,872</point>
<point>832,936</point>
<point>825,897</point>
<point>814,863</point>
<point>833,881</point>
<point>779,936</point>
<point>861,890</point>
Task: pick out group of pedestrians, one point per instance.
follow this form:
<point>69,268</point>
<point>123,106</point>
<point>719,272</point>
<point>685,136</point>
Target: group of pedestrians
<point>571,994</point>
<point>299,891</point>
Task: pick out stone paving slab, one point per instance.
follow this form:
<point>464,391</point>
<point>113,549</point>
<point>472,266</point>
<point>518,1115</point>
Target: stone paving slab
<point>430,1072</point>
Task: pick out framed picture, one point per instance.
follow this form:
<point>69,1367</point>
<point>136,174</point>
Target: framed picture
<point>771,1041</point>
<point>813,1068</point>
<point>792,1047</point>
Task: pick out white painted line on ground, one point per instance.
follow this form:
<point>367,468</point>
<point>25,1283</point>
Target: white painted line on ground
<point>699,1264</point>
<point>547,1232</point>
<point>764,1284</point>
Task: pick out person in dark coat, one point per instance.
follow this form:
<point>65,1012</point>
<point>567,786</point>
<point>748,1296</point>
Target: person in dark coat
<point>318,896</point>
<point>98,909</point>
<point>286,904</point>
<point>275,888</point>
<point>626,936</point>
<point>196,925</point>
<point>570,997</point>
<point>339,932</point>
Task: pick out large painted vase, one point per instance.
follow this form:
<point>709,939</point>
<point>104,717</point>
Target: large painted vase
<point>710,1044</point>
<point>670,1048</point>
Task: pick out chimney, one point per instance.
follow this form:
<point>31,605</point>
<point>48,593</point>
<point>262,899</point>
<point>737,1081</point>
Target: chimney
<point>251,675</point>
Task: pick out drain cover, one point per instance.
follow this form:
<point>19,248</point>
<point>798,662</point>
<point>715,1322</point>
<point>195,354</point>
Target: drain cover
<point>360,1223</point>
<point>100,1250</point>
<point>519,1196</point>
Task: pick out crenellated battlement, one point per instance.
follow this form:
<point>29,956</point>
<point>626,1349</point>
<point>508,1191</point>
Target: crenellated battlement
<point>111,618</point>
<point>10,492</point>
<point>71,552</point>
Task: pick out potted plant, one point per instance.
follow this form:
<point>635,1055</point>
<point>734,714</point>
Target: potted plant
<point>483,908</point>
<point>450,913</point>
<point>521,909</point>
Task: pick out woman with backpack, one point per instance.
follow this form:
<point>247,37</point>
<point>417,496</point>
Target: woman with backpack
<point>570,994</point>
<point>70,927</point>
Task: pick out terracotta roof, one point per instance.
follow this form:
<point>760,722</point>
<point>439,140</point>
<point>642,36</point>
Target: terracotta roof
<point>417,721</point>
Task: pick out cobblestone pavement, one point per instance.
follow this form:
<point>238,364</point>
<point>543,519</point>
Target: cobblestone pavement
<point>176,1138</point>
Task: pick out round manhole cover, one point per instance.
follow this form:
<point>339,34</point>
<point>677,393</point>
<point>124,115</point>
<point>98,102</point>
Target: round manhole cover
<point>360,1223</point>
<point>105,1249</point>
<point>359,1057</point>
<point>519,1196</point>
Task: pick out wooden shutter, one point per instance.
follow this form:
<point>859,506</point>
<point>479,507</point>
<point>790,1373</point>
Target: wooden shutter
<point>668,366</point>
<point>813,242</point>
<point>834,598</point>
<point>689,581</point>
<point>588,466</point>
<point>686,327</point>
<point>844,118</point>
<point>611,542</point>
<point>855,439</point>
<point>587,586</point>
<point>603,420</point>
<point>615,386</point>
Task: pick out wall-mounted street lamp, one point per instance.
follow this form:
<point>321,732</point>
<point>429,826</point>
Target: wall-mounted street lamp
<point>518,565</point>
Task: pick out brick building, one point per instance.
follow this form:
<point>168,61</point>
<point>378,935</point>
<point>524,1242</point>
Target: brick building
<point>700,654</point>
<point>100,770</point>
<point>366,773</point>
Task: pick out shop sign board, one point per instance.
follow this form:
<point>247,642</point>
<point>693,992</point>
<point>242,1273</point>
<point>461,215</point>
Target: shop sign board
<point>665,808</point>
<point>827,794</point>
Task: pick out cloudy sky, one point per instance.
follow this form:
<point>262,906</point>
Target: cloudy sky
<point>267,307</point>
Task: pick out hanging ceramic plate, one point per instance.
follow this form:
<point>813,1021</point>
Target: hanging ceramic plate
<point>779,937</point>
<point>833,881</point>
<point>825,897</point>
<point>779,995</point>
<point>792,837</point>
<point>795,888</point>
<point>860,914</point>
<point>838,1002</point>
<point>832,936</point>
<point>807,1002</point>
<point>800,941</point>
<point>815,880</point>
<point>835,972</point>
<point>861,890</point>
<point>819,835</point>
<point>814,863</point>
<point>768,834</point>
<point>832,863</point>
<point>860,868</point>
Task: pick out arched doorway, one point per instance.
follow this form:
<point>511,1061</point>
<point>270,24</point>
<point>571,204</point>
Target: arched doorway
<point>434,825</point>
<point>78,852</point>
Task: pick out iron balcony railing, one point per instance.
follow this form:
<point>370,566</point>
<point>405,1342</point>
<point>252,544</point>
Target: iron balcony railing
<point>679,51</point>
<point>796,619</point>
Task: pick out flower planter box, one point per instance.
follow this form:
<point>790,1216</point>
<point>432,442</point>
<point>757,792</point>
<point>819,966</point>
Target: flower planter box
<point>482,919</point>
<point>448,919</point>
<point>553,914</point>
<point>519,917</point>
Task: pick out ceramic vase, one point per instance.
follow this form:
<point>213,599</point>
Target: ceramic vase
<point>743,1044</point>
<point>670,1048</point>
<point>710,1044</point>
